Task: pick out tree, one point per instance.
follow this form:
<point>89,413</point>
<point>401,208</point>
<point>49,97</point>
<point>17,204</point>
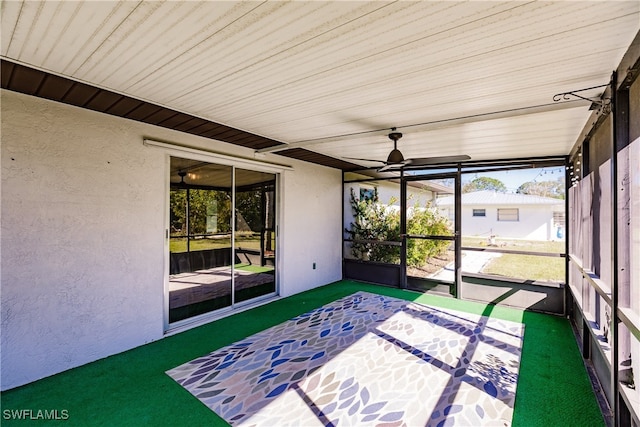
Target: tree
<point>554,189</point>
<point>484,183</point>
<point>249,206</point>
<point>199,202</point>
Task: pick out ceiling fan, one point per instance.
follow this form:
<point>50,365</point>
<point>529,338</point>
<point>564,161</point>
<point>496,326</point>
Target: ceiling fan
<point>396,161</point>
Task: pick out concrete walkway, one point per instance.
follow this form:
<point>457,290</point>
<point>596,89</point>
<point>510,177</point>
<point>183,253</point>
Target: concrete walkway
<point>472,262</point>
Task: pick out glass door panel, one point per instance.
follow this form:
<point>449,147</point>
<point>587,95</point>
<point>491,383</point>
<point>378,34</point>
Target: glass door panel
<point>430,233</point>
<point>255,234</point>
<point>199,239</point>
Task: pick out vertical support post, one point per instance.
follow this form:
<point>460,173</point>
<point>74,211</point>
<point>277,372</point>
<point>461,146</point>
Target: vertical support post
<point>263,223</point>
<point>457,227</point>
<point>342,226</point>
<point>615,357</point>
<point>567,187</point>
<point>586,340</point>
<point>233,235</point>
<point>188,221</point>
<point>621,241</point>
<point>403,230</point>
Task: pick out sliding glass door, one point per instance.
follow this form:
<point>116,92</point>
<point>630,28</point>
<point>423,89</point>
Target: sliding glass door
<point>221,238</point>
<point>254,234</point>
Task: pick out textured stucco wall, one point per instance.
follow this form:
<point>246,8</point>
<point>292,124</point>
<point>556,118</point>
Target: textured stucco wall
<point>81,238</point>
<point>311,226</point>
<point>82,234</point>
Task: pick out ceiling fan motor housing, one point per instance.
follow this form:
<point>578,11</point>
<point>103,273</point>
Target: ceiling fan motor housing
<point>395,156</point>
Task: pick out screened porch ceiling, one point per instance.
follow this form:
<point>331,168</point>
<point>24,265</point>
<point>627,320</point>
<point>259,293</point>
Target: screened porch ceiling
<point>332,78</point>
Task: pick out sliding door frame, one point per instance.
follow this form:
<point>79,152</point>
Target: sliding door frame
<point>172,150</point>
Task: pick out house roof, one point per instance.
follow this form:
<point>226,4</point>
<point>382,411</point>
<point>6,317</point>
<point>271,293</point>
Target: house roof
<point>325,81</point>
<point>489,198</point>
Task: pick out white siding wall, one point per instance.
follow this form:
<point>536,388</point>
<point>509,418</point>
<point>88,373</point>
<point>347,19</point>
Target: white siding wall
<point>387,192</point>
<point>535,223</point>
<point>82,245</point>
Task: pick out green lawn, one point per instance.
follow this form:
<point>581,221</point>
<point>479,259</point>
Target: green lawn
<point>523,266</point>
<point>180,244</point>
<point>527,267</point>
<point>515,244</point>
<point>254,268</point>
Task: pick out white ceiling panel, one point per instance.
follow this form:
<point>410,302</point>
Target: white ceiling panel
<point>298,71</point>
<point>541,134</point>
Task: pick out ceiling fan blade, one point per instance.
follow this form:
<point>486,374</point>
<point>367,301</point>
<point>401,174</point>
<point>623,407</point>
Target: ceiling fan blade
<point>392,167</point>
<point>365,160</point>
<point>423,161</point>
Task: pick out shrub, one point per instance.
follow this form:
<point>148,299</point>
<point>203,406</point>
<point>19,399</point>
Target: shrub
<point>375,222</point>
<point>426,221</point>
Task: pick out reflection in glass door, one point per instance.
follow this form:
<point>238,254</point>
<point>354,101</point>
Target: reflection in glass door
<point>254,273</point>
<point>221,239</point>
<point>430,242</point>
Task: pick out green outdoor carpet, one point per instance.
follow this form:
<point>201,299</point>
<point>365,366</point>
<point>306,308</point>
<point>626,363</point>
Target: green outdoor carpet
<point>132,388</point>
<point>365,359</point>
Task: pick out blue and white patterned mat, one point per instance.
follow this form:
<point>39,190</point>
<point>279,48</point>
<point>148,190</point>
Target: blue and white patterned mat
<point>365,359</point>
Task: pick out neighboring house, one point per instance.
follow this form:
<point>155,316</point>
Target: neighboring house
<point>518,216</point>
<point>419,193</point>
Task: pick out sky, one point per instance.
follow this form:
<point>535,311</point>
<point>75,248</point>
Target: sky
<point>514,178</point>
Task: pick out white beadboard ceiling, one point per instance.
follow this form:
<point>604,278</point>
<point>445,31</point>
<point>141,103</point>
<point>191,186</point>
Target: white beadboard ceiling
<point>467,73</point>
